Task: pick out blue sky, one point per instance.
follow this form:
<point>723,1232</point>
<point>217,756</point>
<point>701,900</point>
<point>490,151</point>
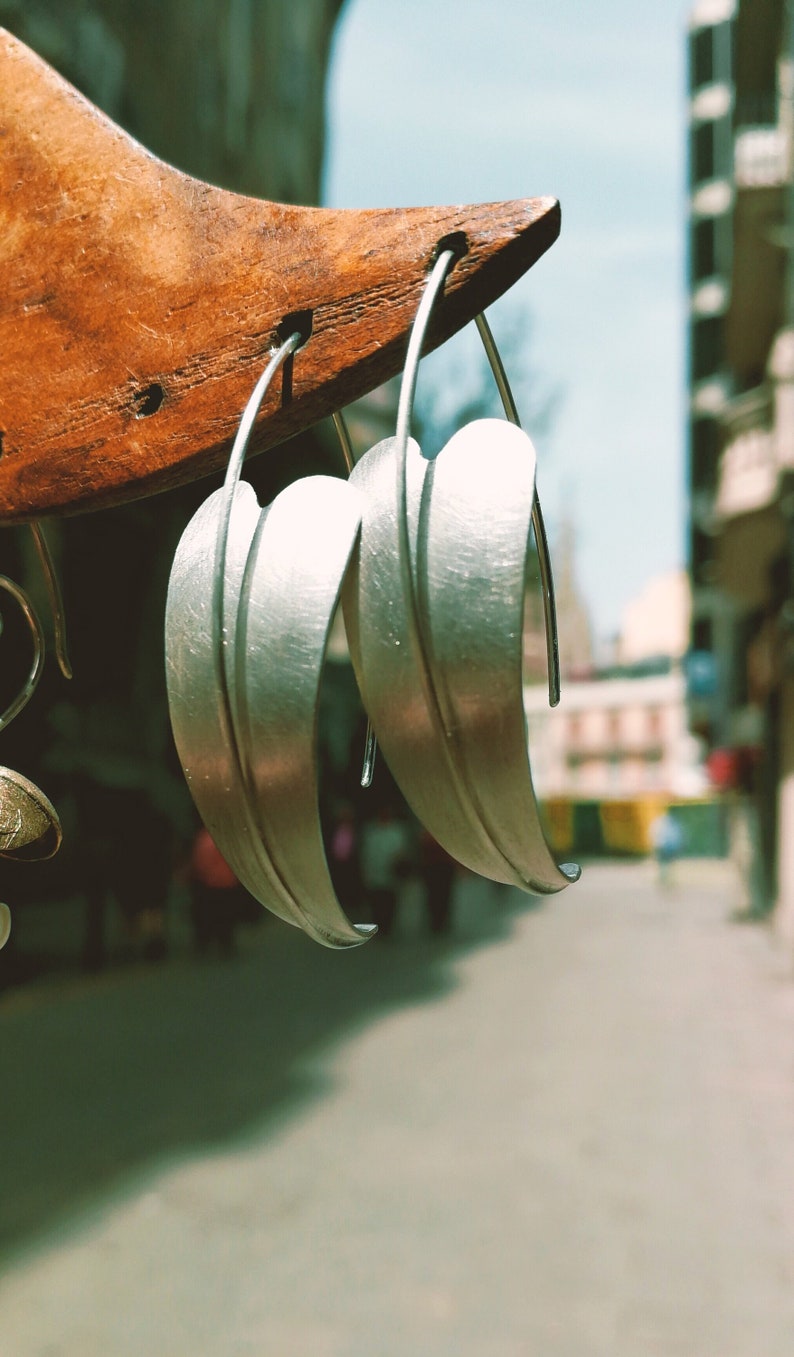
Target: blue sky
<point>434,102</point>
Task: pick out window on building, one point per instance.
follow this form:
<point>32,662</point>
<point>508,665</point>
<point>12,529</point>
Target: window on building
<point>702,160</point>
<point>703,249</point>
<point>706,354</point>
<point>653,771</point>
<point>654,725</point>
<point>703,453</point>
<point>701,557</point>
<point>701,57</point>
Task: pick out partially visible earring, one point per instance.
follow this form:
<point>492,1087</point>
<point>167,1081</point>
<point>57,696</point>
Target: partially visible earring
<point>434,611</point>
<point>29,826</point>
<point>30,829</point>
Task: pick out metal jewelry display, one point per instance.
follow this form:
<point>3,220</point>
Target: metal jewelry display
<point>431,561</point>
<point>430,556</point>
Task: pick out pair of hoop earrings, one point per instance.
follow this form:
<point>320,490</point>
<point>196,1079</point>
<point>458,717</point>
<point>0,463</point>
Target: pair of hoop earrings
<point>430,561</point>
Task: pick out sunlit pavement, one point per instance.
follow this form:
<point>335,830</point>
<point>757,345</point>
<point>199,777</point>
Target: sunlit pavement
<point>568,1130</point>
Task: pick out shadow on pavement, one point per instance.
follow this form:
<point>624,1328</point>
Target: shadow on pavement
<point>102,1077</point>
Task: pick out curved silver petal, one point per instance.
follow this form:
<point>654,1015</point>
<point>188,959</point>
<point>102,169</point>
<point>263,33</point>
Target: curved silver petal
<point>474,537</point>
<point>283,598</point>
<point>290,593</point>
<point>443,688</point>
<point>204,741</point>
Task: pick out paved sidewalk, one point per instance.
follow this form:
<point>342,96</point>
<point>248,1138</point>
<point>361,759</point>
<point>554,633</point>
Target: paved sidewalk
<point>566,1132</point>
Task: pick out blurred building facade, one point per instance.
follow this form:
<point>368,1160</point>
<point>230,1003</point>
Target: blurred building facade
<point>620,735</point>
<point>741,416</point>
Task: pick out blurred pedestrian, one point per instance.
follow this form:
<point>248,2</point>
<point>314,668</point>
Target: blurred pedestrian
<point>385,861</point>
<point>438,878</point>
<point>343,857</point>
<point>667,840</point>
<point>214,895</point>
<point>125,852</point>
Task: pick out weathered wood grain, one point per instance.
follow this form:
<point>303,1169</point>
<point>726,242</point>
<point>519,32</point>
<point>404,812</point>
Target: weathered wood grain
<point>138,305</point>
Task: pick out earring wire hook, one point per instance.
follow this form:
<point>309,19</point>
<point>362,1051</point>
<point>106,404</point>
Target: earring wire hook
<point>434,284</point>
<point>55,598</point>
<point>233,471</point>
<point>370,740</point>
<point>31,683</point>
<point>441,268</point>
<point>438,275</point>
<point>542,541</point>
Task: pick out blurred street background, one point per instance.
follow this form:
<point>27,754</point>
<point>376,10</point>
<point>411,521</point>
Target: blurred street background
<point>566,1127</point>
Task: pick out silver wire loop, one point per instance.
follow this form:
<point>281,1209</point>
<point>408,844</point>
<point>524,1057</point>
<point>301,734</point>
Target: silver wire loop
<point>433,286</point>
<point>370,740</point>
<point>435,282</point>
<point>231,480</point>
<point>55,598</point>
<point>541,540</point>
<point>343,434</point>
<point>37,636</point>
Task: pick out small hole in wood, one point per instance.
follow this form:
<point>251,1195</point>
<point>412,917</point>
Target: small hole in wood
<point>148,400</point>
<point>297,322</point>
<point>2,441</point>
<point>456,242</point>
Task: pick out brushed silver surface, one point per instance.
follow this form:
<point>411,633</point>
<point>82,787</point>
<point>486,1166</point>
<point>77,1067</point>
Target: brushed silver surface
<point>29,826</point>
<point>442,680</point>
<point>270,836</point>
<point>196,703</point>
<point>290,593</point>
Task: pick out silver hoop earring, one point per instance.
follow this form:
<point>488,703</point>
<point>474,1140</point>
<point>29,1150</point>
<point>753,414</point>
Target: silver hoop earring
<point>250,603</point>
<point>434,612</point>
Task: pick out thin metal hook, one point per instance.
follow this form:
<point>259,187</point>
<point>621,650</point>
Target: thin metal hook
<point>449,602</point>
<point>343,434</point>
<point>233,471</point>
<point>370,740</point>
<point>55,598</point>
<point>31,683</point>
<point>544,555</point>
<point>435,283</point>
